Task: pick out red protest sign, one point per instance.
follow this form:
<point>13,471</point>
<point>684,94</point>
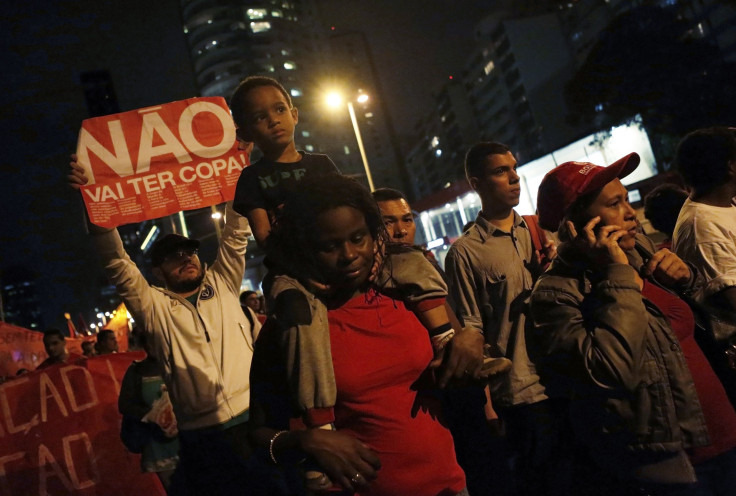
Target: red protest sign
<point>60,432</point>
<point>22,348</point>
<point>155,161</point>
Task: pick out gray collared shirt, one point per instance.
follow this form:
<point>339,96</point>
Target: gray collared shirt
<point>490,283</point>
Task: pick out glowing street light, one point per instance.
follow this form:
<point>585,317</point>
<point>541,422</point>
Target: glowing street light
<point>334,99</point>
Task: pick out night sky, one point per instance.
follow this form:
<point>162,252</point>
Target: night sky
<point>45,47</point>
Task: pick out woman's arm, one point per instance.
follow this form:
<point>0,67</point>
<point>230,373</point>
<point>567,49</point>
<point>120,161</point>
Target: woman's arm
<point>340,455</point>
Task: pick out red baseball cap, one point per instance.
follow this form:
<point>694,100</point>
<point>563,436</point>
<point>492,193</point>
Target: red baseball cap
<point>567,182</point>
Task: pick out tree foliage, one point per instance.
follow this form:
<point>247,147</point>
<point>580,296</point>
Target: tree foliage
<point>652,62</point>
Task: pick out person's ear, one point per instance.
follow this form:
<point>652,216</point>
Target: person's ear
<point>295,114</point>
<point>473,181</point>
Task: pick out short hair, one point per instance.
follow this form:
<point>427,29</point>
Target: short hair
<point>244,296</point>
<point>475,158</point>
<point>388,194</point>
<point>662,206</point>
<point>104,333</point>
<point>294,234</point>
<point>703,156</point>
<point>238,99</point>
<point>54,332</point>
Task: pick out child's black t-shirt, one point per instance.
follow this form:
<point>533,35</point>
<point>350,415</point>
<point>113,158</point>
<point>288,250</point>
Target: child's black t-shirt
<point>266,184</point>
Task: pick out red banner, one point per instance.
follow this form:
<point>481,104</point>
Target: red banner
<point>60,433</point>
<point>21,348</point>
<point>156,161</point>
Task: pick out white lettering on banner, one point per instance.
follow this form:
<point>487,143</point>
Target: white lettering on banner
<point>187,169</point>
<point>3,473</point>
<point>119,161</point>
<point>45,383</point>
<point>71,391</point>
<point>114,379</point>
<point>105,192</point>
<point>67,441</point>
<point>49,467</point>
<point>186,130</point>
<point>153,123</point>
<point>46,458</point>
<point>9,421</point>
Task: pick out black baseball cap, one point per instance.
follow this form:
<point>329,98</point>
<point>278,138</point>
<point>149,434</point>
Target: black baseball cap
<point>169,244</point>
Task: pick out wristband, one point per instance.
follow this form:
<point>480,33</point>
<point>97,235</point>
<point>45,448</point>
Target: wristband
<point>270,446</point>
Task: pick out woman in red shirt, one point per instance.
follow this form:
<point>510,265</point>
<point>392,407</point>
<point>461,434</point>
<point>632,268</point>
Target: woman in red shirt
<point>389,439</point>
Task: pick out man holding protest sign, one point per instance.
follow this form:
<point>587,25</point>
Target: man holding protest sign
<point>197,331</point>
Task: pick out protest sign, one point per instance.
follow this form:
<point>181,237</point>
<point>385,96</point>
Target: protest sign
<point>22,348</point>
<point>60,433</point>
<point>151,162</point>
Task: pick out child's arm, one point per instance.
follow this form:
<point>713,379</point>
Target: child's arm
<point>466,352</point>
<point>260,224</point>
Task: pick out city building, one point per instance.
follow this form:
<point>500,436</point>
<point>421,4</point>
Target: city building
<point>353,74</point>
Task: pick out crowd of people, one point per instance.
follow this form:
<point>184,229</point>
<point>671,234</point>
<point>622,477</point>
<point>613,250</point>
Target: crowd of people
<point>591,362</point>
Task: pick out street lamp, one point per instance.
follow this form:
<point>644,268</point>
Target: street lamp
<point>334,99</point>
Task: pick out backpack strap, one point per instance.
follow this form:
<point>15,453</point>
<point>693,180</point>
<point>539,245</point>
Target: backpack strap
<point>539,239</point>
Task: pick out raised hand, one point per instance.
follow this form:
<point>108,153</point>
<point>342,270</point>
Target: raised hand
<point>600,243</point>
<point>76,176</point>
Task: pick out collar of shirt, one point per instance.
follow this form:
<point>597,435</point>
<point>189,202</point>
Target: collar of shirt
<point>485,229</point>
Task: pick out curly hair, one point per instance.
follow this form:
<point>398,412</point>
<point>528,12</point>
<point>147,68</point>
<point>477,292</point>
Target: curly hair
<point>293,238</point>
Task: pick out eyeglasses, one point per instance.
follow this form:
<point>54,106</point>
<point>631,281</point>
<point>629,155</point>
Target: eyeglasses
<point>178,255</point>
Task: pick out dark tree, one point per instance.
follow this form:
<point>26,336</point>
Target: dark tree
<point>652,62</point>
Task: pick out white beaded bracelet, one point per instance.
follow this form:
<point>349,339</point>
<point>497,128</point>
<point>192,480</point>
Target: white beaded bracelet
<point>270,446</point>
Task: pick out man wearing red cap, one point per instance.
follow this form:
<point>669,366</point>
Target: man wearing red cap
<point>491,270</point>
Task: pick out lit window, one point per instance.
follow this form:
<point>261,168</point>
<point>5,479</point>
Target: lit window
<point>368,115</point>
<point>435,142</point>
<point>309,148</point>
<point>289,65</point>
<point>259,27</point>
<point>256,13</point>
<point>489,67</point>
<point>347,150</point>
<point>277,13</point>
<point>295,92</point>
<point>305,133</point>
<point>438,152</point>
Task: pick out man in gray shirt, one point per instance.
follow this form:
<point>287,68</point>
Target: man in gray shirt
<point>491,271</point>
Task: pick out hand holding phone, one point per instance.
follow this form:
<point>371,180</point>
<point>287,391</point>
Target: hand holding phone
<point>600,241</point>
